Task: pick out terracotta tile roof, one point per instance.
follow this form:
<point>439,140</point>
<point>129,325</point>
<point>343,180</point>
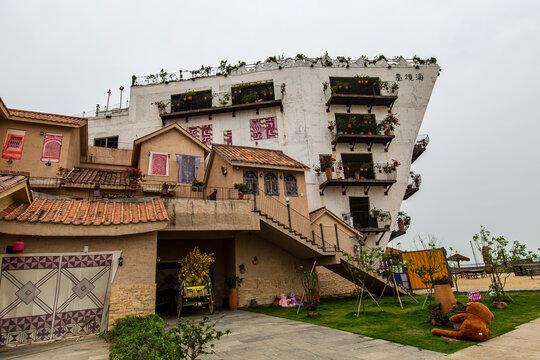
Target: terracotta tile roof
<point>62,119</point>
<point>74,212</point>
<point>251,155</point>
<point>9,181</point>
<point>97,176</point>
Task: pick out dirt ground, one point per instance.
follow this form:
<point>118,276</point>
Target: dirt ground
<point>512,283</point>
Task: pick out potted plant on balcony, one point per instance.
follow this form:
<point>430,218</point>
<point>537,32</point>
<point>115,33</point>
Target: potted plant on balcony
<point>403,220</point>
<point>233,283</point>
<point>317,169</point>
<point>97,190</point>
<point>134,175</point>
<point>165,189</point>
<point>172,192</point>
<point>63,173</point>
<point>325,85</point>
<point>242,189</point>
<point>389,123</point>
<point>331,125</point>
<point>327,163</point>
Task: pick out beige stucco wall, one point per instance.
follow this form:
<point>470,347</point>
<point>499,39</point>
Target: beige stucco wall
<point>33,147</point>
<point>276,272</point>
<point>107,158</point>
<point>171,142</point>
<point>331,284</point>
<point>235,174</point>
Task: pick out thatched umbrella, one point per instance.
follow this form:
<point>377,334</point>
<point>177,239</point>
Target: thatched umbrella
<point>458,257</point>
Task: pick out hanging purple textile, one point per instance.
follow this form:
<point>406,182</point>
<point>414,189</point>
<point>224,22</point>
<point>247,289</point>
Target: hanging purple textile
<point>187,167</point>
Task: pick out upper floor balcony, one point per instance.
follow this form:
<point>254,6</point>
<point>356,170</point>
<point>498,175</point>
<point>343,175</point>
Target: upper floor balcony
<point>363,128</point>
<point>401,226</point>
<point>420,146</point>
<point>361,90</point>
<point>413,186</point>
<point>355,172</point>
<point>198,103</point>
<point>370,221</point>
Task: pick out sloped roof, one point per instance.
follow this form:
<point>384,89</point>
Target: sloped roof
<point>316,214</point>
<point>245,155</point>
<point>53,118</point>
<point>76,212</point>
<point>97,176</point>
<point>9,181</point>
<point>137,143</point>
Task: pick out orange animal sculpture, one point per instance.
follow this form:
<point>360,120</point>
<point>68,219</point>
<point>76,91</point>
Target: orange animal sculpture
<point>475,324</point>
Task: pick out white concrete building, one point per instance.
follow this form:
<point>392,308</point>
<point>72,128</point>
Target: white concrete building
<point>288,105</point>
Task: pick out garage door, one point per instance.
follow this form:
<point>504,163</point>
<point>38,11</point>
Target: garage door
<point>45,297</point>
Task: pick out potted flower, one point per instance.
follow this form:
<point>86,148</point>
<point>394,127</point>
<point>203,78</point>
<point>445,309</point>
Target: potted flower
<point>63,173</point>
<point>317,169</point>
<point>389,123</point>
<point>327,163</point>
<point>403,220</point>
<point>97,190</point>
<point>312,310</point>
<point>242,189</point>
<point>325,85</point>
<point>165,189</point>
<point>438,316</point>
<point>331,125</point>
<point>233,283</point>
<point>197,185</point>
<point>172,192</point>
<point>134,175</point>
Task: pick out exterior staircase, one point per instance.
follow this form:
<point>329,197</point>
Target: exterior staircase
<point>277,217</point>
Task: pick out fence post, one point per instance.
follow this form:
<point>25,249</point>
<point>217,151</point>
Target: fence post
<point>337,238</point>
<point>322,237</point>
<point>313,235</point>
<point>289,212</point>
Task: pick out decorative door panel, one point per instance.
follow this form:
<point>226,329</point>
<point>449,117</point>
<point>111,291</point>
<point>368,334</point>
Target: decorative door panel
<point>48,297</point>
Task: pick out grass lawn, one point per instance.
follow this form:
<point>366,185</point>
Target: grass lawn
<point>410,326</point>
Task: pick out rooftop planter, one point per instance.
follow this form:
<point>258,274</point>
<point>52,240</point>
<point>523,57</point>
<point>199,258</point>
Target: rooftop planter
<point>191,100</point>
<point>420,146</point>
<point>386,171</point>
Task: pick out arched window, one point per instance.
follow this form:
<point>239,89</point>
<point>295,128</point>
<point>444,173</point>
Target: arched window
<point>271,184</point>
<point>250,179</point>
<point>291,189</point>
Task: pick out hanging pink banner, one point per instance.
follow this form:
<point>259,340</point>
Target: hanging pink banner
<point>51,147</point>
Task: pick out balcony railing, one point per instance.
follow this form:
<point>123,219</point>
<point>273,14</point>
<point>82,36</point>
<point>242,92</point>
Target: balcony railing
<point>420,145</point>
<point>371,92</point>
<point>378,174</point>
<point>413,186</point>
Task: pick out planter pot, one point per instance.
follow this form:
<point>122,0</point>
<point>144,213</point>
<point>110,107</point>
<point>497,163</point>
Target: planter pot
<point>312,314</point>
<point>387,132</point>
<point>357,175</point>
<point>63,181</point>
<point>500,304</point>
<point>193,187</point>
<point>328,172</point>
<point>401,226</point>
<point>164,191</point>
<point>233,299</point>
<point>253,303</point>
<point>240,195</point>
<point>97,193</point>
<point>172,193</point>
<point>369,133</point>
<point>445,297</point>
<point>133,184</point>
<point>200,187</point>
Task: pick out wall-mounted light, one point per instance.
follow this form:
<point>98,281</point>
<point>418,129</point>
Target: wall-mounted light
<point>10,161</point>
<point>120,261</point>
<point>223,169</point>
<point>85,249</point>
<point>287,201</point>
<point>242,268</point>
<point>41,133</point>
<point>255,260</point>
<point>149,153</point>
<point>48,163</point>
<point>261,175</point>
<point>281,176</point>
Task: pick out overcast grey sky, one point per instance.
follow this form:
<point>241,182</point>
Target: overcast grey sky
<point>482,165</point>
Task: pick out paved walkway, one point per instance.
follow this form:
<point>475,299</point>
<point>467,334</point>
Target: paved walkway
<point>261,337</point>
<point>522,343</point>
<point>89,348</point>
